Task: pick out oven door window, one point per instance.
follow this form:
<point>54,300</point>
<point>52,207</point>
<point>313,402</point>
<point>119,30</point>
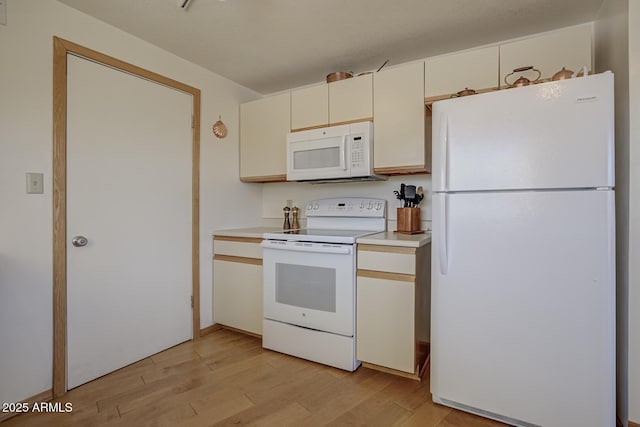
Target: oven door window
<point>306,286</point>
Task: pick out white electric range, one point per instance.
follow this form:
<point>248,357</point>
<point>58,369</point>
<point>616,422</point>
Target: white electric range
<point>310,281</point>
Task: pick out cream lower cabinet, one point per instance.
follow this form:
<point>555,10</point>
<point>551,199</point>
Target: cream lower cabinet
<point>237,283</point>
<point>393,295</point>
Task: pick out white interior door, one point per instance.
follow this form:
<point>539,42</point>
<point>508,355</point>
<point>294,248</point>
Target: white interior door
<point>129,193</point>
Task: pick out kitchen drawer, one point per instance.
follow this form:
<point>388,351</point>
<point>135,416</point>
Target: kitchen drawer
<point>238,247</point>
<point>391,259</point>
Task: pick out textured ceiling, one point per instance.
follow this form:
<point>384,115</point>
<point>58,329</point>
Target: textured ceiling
<point>272,45</point>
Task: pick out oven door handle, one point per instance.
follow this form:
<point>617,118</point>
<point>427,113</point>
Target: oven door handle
<point>321,249</point>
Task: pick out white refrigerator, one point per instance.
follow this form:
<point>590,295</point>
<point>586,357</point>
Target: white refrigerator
<point>523,254</point>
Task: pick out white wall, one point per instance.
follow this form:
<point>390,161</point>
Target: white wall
<point>618,49</point>
<point>634,211</point>
<point>26,146</point>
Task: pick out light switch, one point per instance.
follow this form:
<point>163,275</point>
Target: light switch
<point>35,183</point>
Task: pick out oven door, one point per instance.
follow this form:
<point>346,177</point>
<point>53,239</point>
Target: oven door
<point>310,285</point>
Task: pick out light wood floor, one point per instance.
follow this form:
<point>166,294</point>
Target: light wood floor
<point>227,378</point>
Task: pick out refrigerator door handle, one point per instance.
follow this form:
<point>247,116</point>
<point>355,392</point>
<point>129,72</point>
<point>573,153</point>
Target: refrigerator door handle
<point>444,139</point>
<point>443,247</point>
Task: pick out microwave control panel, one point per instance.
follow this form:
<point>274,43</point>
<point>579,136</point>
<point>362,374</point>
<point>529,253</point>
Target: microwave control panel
<point>359,149</point>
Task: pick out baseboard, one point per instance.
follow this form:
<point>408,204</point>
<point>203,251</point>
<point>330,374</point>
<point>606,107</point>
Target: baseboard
<point>241,331</point>
<point>45,396</point>
<point>391,371</point>
<point>210,329</point>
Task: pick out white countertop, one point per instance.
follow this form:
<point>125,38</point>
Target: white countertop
<point>388,238</point>
<point>251,232</point>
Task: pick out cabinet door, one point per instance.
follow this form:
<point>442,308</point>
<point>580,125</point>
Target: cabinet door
<point>310,107</point>
<point>385,322</point>
<point>264,125</point>
<point>569,48</point>
<point>399,116</point>
<point>475,69</point>
<point>237,295</point>
<point>351,100</point>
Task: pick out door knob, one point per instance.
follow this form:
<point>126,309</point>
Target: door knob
<point>79,241</point>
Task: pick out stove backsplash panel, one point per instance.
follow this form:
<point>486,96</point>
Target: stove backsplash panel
<point>275,196</point>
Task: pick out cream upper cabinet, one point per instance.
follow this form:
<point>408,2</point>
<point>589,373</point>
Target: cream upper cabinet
<point>310,107</point>
<point>351,100</point>
<point>474,69</point>
<point>570,48</point>
<point>400,141</point>
<point>264,124</point>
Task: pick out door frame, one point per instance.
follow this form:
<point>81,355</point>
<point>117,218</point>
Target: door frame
<point>62,48</point>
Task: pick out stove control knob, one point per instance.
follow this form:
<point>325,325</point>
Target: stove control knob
<point>370,206</point>
<point>316,207</point>
<point>309,206</point>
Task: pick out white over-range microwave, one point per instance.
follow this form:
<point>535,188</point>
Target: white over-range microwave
<point>332,154</point>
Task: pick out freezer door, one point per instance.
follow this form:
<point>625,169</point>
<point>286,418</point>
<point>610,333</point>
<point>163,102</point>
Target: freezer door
<point>551,135</point>
<point>523,305</point>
